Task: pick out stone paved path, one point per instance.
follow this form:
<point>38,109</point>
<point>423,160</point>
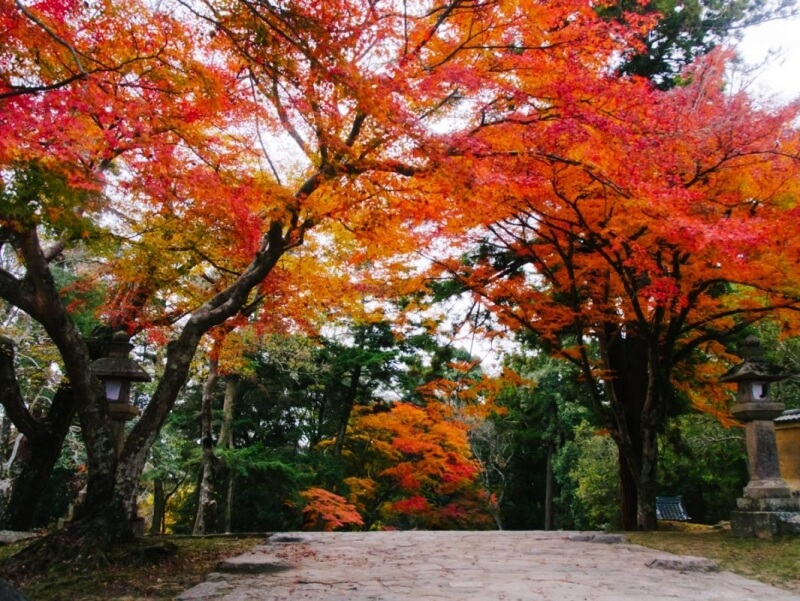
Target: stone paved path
<point>485,566</point>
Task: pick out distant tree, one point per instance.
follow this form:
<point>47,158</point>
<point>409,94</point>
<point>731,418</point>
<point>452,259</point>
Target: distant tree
<point>686,30</point>
<point>327,512</point>
<point>412,467</point>
<point>590,480</point>
<point>540,418</point>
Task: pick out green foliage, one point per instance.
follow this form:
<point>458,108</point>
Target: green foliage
<point>285,426</point>
<point>705,463</point>
<point>786,353</point>
<point>266,490</point>
<point>588,469</point>
<point>35,195</point>
<point>84,298</point>
<point>251,461</point>
<point>687,29</point>
<point>540,419</point>
<point>425,360</point>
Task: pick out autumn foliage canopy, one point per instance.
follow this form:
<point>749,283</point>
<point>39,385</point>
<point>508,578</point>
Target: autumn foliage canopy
<point>224,162</point>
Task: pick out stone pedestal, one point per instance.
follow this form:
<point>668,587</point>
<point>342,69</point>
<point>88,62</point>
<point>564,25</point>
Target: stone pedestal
<point>767,508</point>
<point>765,518</point>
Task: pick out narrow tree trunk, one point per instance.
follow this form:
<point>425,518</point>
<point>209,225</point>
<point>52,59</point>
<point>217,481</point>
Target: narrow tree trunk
<point>5,466</point>
<point>549,491</point>
<point>205,519</point>
<point>229,502</point>
<point>226,441</point>
<point>347,409</point>
<point>159,507</point>
<point>5,432</point>
<point>228,410</point>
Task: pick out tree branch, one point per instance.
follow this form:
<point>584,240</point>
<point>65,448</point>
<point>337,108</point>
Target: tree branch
<point>10,395</point>
<point>55,37</point>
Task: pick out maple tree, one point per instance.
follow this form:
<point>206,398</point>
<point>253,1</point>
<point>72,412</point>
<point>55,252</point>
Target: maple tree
<point>156,138</point>
<point>412,466</point>
<point>111,113</point>
<point>149,117</point>
<point>655,258</point>
<point>327,511</point>
<point>124,130</point>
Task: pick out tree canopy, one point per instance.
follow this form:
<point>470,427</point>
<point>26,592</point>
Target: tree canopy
<point>224,165</point>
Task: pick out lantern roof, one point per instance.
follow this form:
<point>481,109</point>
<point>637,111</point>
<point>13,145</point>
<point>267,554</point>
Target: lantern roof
<point>118,365</point>
<point>754,367</point>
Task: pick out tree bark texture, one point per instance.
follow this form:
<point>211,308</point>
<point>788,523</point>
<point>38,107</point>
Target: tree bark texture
<point>635,404</point>
<point>348,402</point>
<point>226,441</point>
<point>29,486</point>
<point>44,440</point>
<point>159,507</point>
<point>207,507</point>
<point>549,490</point>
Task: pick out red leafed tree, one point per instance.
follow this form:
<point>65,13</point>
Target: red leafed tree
<point>632,232</point>
<point>188,148</point>
<point>326,511</point>
<point>413,466</point>
<point>106,114</point>
<point>154,136</point>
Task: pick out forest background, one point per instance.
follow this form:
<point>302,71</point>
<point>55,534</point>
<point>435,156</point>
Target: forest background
<point>314,220</point>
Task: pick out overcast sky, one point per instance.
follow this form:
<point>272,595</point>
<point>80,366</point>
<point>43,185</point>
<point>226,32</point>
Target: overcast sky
<point>782,75</point>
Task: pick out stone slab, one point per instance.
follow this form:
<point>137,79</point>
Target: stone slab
<point>9,537</point>
<point>472,566</point>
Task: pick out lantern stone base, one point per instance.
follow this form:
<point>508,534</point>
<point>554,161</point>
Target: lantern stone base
<point>766,517</point>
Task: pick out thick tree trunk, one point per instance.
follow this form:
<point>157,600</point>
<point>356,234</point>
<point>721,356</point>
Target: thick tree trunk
<point>104,517</point>
<point>646,505</point>
<point>630,362</point>
<point>43,450</point>
<point>628,494</point>
<point>30,484</point>
<point>206,518</point>
<point>181,350</point>
<point>648,481</point>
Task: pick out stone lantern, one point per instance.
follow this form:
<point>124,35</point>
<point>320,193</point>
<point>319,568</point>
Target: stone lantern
<point>767,500</point>
<point>117,371</point>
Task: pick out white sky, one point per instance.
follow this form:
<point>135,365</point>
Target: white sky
<point>781,74</point>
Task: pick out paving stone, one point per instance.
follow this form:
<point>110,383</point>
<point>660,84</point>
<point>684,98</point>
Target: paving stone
<point>473,566</point>
<point>684,564</point>
<point>253,563</point>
